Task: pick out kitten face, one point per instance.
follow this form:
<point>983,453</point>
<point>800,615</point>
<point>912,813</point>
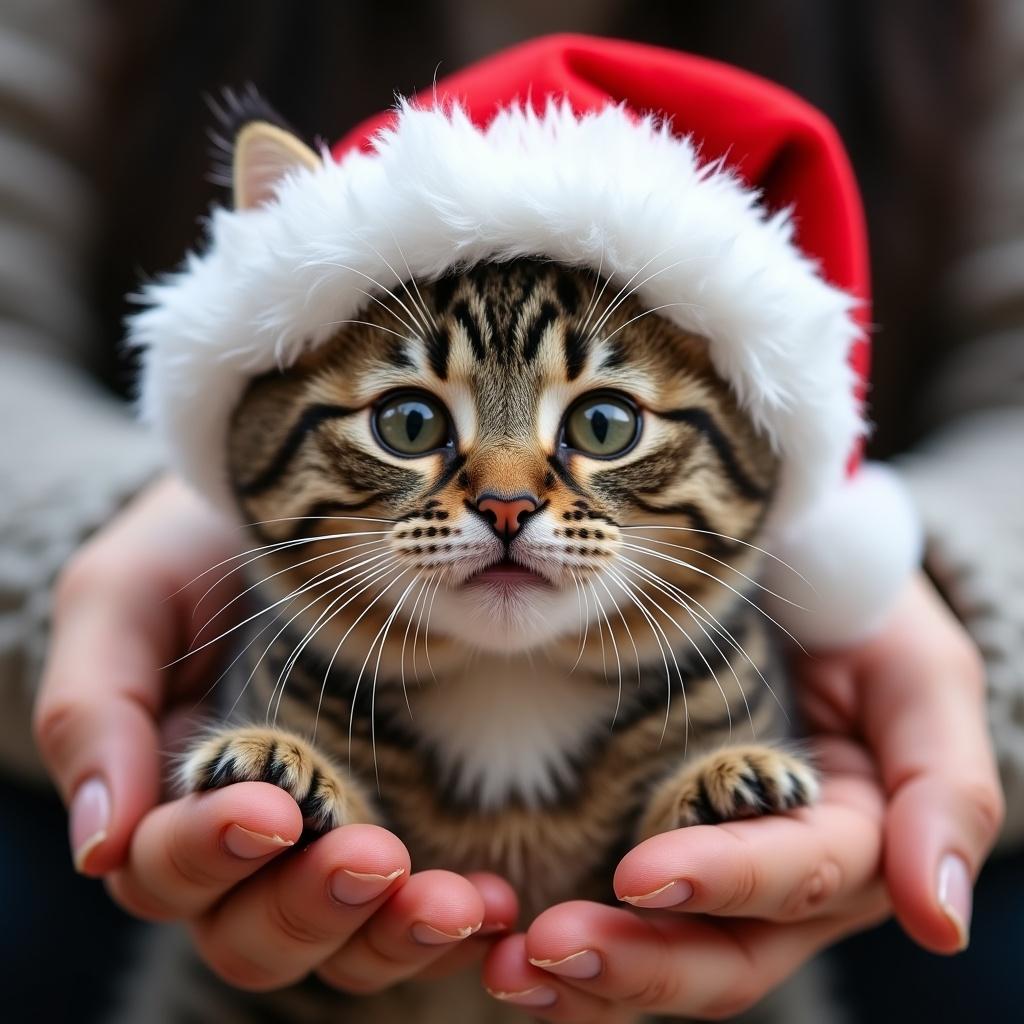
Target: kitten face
<point>525,438</point>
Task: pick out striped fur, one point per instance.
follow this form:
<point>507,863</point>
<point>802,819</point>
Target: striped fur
<point>535,736</point>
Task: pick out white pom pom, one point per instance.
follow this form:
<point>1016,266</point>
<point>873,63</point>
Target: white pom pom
<point>857,548</point>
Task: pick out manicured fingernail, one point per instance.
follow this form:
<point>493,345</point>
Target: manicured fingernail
<point>955,895</point>
<point>540,995</point>
<point>430,936</point>
<point>357,887</point>
<point>90,818</point>
<point>249,845</point>
<point>671,894</point>
<point>582,965</point>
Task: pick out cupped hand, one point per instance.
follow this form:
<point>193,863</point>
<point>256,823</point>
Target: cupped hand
<point>346,907</point>
<point>910,807</point>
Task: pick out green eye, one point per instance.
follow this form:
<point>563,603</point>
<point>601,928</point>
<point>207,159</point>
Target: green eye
<point>412,424</point>
<point>602,425</point>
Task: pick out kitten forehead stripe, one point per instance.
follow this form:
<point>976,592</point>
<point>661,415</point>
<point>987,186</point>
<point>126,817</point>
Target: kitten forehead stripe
<point>575,353</point>
<point>535,333</point>
<point>465,317</point>
<point>438,350</point>
<point>568,293</point>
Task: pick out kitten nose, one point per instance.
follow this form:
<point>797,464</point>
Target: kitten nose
<point>506,515</point>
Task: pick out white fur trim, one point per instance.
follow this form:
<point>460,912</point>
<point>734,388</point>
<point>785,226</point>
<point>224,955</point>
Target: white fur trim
<point>602,189</point>
<point>856,550</point>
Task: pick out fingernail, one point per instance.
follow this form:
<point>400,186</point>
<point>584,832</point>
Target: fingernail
<point>355,888</point>
<point>90,818</point>
<point>671,894</point>
<point>540,995</point>
<point>582,965</point>
<point>430,936</point>
<point>955,895</point>
<point>249,845</point>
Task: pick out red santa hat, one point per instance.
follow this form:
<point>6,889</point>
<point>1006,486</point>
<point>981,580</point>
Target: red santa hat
<point>722,198</point>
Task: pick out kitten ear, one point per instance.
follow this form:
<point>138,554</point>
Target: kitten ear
<point>264,154</point>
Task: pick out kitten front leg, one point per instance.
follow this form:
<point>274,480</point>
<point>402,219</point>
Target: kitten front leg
<point>727,785</point>
<point>327,796</point>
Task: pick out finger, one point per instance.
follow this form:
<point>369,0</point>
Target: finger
<point>501,909</point>
<point>675,964</point>
<point>425,919</point>
<point>779,868</point>
<point>510,978</point>
<point>921,685</point>
<point>95,720</point>
<point>186,855</point>
<point>283,923</point>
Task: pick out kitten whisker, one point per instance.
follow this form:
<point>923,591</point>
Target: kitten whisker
<point>624,298</point>
<point>316,519</point>
<point>579,602</point>
<point>288,568</point>
<point>595,295</point>
<point>378,641</point>
<point>647,312</point>
<point>656,581</point>
<point>239,625</point>
<point>428,314</point>
<point>304,587</point>
<point>629,632</point>
<point>680,597</point>
<point>720,536</point>
<point>721,582</point>
<point>367,323</point>
<point>352,270</point>
<point>295,594</point>
<point>426,631</point>
<point>330,665</point>
<point>614,300</point>
<point>656,629</point>
<point>586,630</point>
<point>600,633</point>
<point>722,631</point>
<point>415,313</point>
<point>374,572</point>
<point>270,548</point>
<point>405,638</point>
<point>615,648</point>
<point>363,582</point>
<point>722,562</point>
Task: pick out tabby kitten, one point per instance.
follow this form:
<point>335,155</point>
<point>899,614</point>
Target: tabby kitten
<point>506,603</point>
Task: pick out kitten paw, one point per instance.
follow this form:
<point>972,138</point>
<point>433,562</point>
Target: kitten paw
<point>325,795</point>
<point>730,784</point>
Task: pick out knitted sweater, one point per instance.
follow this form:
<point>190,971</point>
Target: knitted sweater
<point>72,454</point>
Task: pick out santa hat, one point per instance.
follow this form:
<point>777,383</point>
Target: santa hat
<point>721,197</point>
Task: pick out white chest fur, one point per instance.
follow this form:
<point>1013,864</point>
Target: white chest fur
<point>503,727</point>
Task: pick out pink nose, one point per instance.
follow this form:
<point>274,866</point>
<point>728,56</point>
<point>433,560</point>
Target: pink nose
<point>506,515</point>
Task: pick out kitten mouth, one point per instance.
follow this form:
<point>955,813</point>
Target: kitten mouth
<point>505,572</point>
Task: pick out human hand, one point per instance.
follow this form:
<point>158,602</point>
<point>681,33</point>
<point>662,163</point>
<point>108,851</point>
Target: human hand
<point>346,908</point>
<point>772,892</point>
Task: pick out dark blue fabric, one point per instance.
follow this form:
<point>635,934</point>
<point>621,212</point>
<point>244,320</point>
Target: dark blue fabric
<point>62,940</point>
<point>885,978</point>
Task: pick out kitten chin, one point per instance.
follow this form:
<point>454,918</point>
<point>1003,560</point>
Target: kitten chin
<point>510,617</point>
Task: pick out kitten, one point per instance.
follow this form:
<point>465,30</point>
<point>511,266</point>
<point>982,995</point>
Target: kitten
<point>505,601</point>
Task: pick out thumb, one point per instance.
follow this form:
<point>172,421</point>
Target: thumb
<point>923,693</point>
<point>96,717</point>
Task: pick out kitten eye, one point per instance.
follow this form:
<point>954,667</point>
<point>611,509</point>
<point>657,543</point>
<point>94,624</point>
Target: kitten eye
<point>602,425</point>
<point>412,423</point>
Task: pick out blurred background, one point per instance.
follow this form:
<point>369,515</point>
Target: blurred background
<point>104,180</point>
